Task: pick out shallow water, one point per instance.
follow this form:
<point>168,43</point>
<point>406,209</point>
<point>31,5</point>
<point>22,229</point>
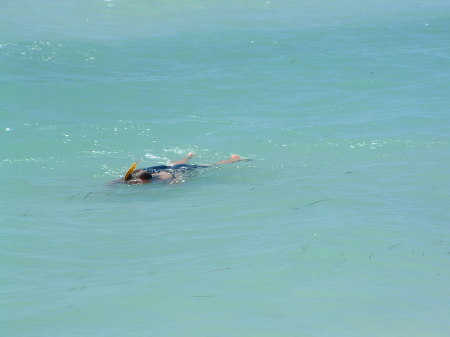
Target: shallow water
<point>339,225</point>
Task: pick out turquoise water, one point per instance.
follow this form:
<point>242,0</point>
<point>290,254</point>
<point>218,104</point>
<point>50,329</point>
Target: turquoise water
<point>338,227</point>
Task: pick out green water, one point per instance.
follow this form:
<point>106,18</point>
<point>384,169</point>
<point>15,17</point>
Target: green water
<point>338,227</point>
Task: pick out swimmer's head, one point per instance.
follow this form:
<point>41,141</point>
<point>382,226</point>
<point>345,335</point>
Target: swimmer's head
<point>138,177</point>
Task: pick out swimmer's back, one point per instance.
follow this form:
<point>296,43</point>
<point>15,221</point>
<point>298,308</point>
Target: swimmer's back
<point>179,167</point>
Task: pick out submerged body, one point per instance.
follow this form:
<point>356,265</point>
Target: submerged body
<point>173,173</point>
<point>165,172</point>
<point>173,168</point>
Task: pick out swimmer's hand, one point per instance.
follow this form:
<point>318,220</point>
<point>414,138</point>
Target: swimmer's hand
<point>235,158</point>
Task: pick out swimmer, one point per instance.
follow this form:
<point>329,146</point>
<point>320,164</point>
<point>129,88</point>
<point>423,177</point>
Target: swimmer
<point>172,172</point>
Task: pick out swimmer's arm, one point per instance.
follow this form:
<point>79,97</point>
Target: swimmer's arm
<point>233,159</point>
<point>185,160</point>
<point>164,176</point>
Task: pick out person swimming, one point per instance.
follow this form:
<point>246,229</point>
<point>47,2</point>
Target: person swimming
<point>173,172</point>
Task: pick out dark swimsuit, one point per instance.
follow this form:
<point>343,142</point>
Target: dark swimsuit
<point>173,169</point>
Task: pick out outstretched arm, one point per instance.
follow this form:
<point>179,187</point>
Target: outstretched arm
<point>185,160</point>
<point>233,159</point>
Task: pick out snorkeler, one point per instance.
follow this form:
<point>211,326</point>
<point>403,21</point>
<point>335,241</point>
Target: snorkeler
<point>173,172</point>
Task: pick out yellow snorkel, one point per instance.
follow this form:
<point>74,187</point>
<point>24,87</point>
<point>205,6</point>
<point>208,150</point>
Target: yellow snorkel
<point>130,170</point>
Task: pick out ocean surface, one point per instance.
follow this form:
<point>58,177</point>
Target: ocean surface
<point>339,227</point>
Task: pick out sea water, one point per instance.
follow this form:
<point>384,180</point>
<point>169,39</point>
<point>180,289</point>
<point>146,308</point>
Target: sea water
<point>338,227</point>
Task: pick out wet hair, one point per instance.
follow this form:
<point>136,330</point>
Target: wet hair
<point>145,175</point>
<point>139,175</point>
